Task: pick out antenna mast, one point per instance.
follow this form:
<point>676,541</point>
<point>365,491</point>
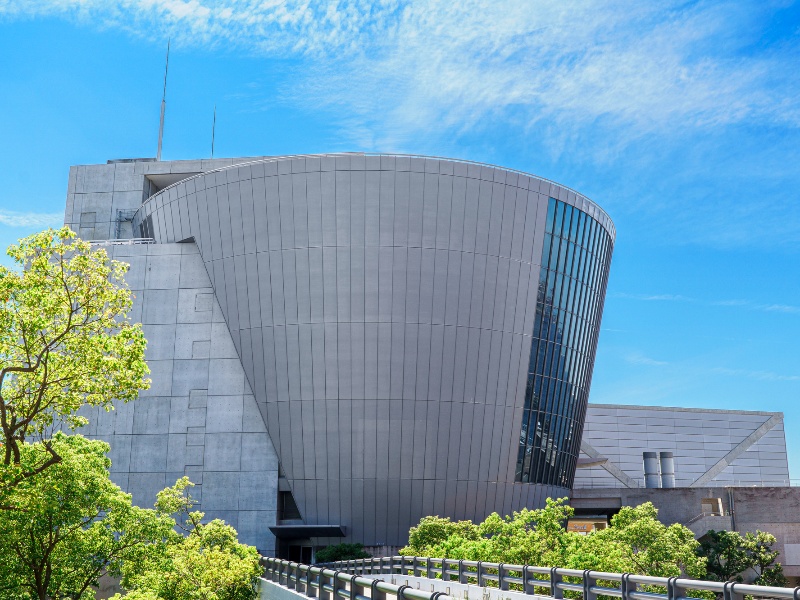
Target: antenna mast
<point>213,130</point>
<point>163,105</point>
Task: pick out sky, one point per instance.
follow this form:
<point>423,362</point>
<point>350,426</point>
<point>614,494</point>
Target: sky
<point>680,118</point>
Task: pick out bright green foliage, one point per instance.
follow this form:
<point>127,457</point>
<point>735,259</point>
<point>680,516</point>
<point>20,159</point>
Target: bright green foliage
<point>440,537</point>
<point>341,552</point>
<point>207,563</point>
<point>535,537</point>
<point>731,555</point>
<point>65,341</point>
<point>763,557</point>
<point>636,542</point>
<point>70,524</point>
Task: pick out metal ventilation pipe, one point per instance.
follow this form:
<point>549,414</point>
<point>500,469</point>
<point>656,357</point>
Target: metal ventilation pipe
<point>652,476</point>
<point>667,470</point>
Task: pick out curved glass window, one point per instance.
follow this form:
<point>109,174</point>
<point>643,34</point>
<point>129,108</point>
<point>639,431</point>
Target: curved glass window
<point>575,261</point>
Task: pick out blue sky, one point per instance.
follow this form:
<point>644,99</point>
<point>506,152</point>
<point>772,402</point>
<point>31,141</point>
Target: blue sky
<point>682,119</point>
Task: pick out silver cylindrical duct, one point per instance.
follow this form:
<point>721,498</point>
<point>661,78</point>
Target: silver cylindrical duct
<point>652,476</point>
<point>667,470</point>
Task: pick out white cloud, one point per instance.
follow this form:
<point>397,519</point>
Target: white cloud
<point>737,303</point>
<point>30,219</point>
<point>652,297</point>
<point>617,65</point>
<point>782,308</point>
<point>759,375</point>
<point>639,359</point>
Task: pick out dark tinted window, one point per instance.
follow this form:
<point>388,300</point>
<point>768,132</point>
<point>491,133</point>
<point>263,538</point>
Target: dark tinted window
<point>575,261</point>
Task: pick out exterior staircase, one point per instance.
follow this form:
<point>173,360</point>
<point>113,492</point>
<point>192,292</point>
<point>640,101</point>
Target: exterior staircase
<point>705,522</point>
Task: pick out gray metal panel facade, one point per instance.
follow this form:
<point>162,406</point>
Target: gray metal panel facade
<point>743,448</point>
<point>382,311</point>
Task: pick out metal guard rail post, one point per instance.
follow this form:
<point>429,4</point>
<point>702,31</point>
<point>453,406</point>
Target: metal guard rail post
<point>333,584</point>
<point>626,586</point>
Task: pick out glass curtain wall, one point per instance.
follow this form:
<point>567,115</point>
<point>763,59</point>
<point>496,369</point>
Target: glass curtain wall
<point>575,262</point>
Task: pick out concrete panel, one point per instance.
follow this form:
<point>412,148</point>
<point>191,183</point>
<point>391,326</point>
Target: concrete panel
<point>160,306</point>
<point>223,452</point>
<point>219,491</point>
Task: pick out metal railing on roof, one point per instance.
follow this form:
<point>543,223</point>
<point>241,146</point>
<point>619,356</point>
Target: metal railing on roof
<point>123,242</point>
<point>588,584</point>
<point>585,483</point>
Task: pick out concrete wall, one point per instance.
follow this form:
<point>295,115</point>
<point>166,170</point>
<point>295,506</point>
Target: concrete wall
<point>699,439</point>
<point>199,417</point>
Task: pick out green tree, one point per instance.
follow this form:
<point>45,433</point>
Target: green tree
<point>763,558</point>
<point>65,341</point>
<point>725,554</point>
<point>205,562</point>
<point>433,534</point>
<point>731,556</point>
<point>338,552</point>
<point>71,524</point>
<point>637,542</point>
<point>526,537</point>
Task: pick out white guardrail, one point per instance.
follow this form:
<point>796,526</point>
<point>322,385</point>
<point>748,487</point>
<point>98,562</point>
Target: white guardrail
<point>344,580</point>
<point>123,242</point>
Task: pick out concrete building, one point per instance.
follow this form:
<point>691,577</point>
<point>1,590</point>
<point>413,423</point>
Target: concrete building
<point>725,470</point>
<point>342,344</point>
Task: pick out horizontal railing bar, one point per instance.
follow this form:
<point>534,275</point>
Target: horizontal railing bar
<point>636,595</point>
<point>606,576</point>
<point>570,572</point>
<point>648,580</point>
<point>604,591</point>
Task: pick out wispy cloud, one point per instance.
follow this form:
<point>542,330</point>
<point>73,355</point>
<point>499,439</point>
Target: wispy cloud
<point>730,303</point>
<point>30,219</point>
<point>652,297</point>
<point>631,66</point>
<point>735,303</point>
<point>639,359</point>
<point>760,375</point>
<point>783,308</point>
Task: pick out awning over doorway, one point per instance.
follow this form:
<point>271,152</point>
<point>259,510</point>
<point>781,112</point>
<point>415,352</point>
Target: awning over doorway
<point>293,532</point>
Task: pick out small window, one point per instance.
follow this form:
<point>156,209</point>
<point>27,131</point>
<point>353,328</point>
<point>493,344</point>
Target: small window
<point>287,507</point>
<point>712,506</point>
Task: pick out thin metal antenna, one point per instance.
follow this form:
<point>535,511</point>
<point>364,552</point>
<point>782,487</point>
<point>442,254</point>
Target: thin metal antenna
<point>213,130</point>
<point>163,104</point>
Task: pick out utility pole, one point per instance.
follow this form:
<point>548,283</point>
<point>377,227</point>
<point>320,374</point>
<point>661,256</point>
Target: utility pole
<point>163,105</point>
<point>213,129</point>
